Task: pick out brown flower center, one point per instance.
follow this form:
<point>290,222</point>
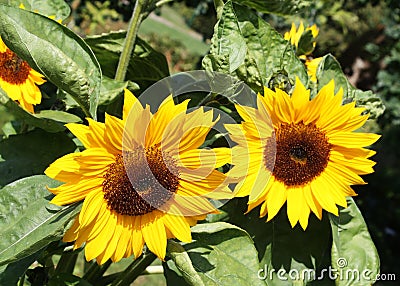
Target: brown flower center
<point>141,181</point>
<point>302,153</point>
<point>13,69</point>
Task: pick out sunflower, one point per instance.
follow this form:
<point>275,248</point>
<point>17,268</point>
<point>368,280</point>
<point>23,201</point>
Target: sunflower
<point>18,79</point>
<point>312,66</point>
<point>152,187</point>
<point>304,52</point>
<point>317,156</point>
<point>294,35</point>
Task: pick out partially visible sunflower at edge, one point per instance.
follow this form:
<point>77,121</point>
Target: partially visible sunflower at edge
<point>18,79</point>
<point>305,46</point>
<point>152,187</point>
<point>312,158</point>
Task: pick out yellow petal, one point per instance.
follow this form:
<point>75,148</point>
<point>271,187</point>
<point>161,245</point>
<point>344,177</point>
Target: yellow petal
<point>154,234</point>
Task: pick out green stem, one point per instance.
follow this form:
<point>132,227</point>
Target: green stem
<point>66,264</point>
<point>129,44</point>
<point>134,269</point>
<point>95,272</point>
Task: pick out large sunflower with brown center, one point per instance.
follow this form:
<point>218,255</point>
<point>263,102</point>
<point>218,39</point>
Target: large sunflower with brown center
<point>143,179</point>
<point>309,161</point>
<point>18,79</point>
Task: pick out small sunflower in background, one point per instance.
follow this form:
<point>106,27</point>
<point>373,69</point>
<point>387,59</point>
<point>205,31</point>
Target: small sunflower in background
<point>304,40</point>
<point>317,155</point>
<point>19,80</point>
<point>152,187</point>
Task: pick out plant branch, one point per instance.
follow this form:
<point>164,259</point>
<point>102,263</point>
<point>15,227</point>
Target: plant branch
<point>129,44</point>
<point>134,269</point>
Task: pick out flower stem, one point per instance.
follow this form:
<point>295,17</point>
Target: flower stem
<point>95,271</point>
<point>134,269</point>
<point>66,264</point>
<point>129,44</point>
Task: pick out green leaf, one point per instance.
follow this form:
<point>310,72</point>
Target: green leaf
<point>282,7</point>
<point>329,68</point>
<point>247,47</point>
<point>57,8</point>
<point>56,52</point>
<point>28,222</point>
<point>353,252</point>
<point>66,279</point>
<point>109,91</point>
<point>31,153</point>
<point>49,120</point>
<point>146,66</point>
<point>183,263</point>
<point>292,251</point>
<point>11,273</point>
<point>221,254</point>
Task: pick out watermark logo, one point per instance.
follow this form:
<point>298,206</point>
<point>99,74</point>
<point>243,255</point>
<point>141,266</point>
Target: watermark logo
<point>341,272</point>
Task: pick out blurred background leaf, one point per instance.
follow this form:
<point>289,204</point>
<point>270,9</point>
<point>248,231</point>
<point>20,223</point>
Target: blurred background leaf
<point>281,7</point>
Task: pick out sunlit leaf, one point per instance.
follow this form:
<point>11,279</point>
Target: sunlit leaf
<point>28,222</point>
<point>109,91</point>
<point>56,52</point>
<point>354,255</point>
<point>221,254</point>
<point>59,9</point>
<point>247,47</point>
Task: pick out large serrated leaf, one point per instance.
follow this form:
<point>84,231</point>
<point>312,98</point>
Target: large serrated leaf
<point>222,254</point>
<point>31,153</point>
<point>52,8</point>
<point>353,252</point>
<point>27,221</point>
<point>49,120</point>
<point>146,66</point>
<point>56,52</point>
<point>329,68</point>
<point>247,47</point>
<point>282,7</point>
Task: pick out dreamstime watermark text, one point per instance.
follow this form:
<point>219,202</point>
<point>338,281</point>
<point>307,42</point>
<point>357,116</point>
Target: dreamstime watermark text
<point>341,272</point>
